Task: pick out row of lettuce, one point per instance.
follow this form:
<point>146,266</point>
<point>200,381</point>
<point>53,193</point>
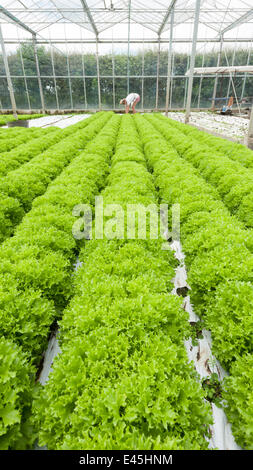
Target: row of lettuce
<point>122,380</point>
<point>13,137</point>
<point>234,151</point>
<point>222,169</point>
<point>24,153</point>
<point>32,166</point>
<point>36,278</point>
<point>5,118</point>
<point>219,259</point>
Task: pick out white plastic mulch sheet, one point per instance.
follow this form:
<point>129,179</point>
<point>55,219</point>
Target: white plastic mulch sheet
<point>71,120</point>
<point>46,121</point>
<point>53,349</point>
<point>228,126</point>
<point>205,363</point>
<point>58,121</point>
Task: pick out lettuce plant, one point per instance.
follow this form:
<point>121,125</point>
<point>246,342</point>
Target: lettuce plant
<point>218,253</point>
<point>127,381</point>
<point>15,393</point>
<point>24,184</point>
<point>232,180</point>
<point>238,396</point>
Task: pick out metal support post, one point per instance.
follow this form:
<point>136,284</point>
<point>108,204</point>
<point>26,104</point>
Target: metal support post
<point>128,46</point>
<point>157,74</point>
<point>38,73</point>
<point>84,77</point>
<point>54,78</point>
<point>250,132</point>
<point>230,75</point>
<point>25,80</point>
<point>246,75</point>
<point>142,80</point>
<point>113,78</point>
<point>171,80</point>
<point>8,76</point>
<point>216,76</point>
<point>193,54</point>
<point>98,76</point>
<point>200,83</point>
<point>84,84</point>
<point>169,61</point>
<point>70,84</point>
<point>186,83</point>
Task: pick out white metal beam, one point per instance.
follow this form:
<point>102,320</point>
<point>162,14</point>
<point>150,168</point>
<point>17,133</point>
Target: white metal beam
<point>165,19</point>
<point>8,76</point>
<point>88,13</point>
<point>15,20</point>
<point>132,40</point>
<point>169,62</point>
<point>216,78</point>
<point>98,78</point>
<point>193,54</point>
<point>38,73</point>
<point>157,74</point>
<point>128,46</point>
<point>250,133</point>
<point>223,69</point>
<point>243,19</point>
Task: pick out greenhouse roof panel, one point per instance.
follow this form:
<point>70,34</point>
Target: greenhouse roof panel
<point>99,15</point>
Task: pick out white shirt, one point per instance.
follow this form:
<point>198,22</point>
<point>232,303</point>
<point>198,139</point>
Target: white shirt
<point>130,99</point>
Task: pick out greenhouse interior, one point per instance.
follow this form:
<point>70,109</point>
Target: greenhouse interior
<point>126,182</point>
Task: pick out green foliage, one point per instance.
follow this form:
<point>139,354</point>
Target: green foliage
<point>220,230</point>
<point>79,59</point>
<point>4,118</point>
<point>15,393</point>
<point>218,253</point>
<point>107,392</point>
<point>237,152</point>
<point>212,387</point>
<point>24,184</point>
<point>25,152</point>
<point>232,180</point>
<point>36,265</point>
<point>11,213</point>
<point>10,138</point>
<point>238,395</point>
<point>229,318</point>
<point>127,382</point>
<point>123,380</point>
<point>24,315</point>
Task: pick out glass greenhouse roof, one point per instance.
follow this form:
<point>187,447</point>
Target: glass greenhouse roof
<point>97,16</point>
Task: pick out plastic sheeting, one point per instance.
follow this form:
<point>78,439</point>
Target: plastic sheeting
<point>58,121</point>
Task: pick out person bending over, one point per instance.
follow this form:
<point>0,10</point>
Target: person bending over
<point>130,101</point>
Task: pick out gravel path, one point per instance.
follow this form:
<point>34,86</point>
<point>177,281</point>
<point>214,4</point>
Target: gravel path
<point>229,126</point>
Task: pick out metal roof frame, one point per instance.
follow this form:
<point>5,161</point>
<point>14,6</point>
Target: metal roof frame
<point>16,20</point>
<point>140,14</point>
<point>88,13</point>
<point>239,21</point>
<point>172,5</point>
